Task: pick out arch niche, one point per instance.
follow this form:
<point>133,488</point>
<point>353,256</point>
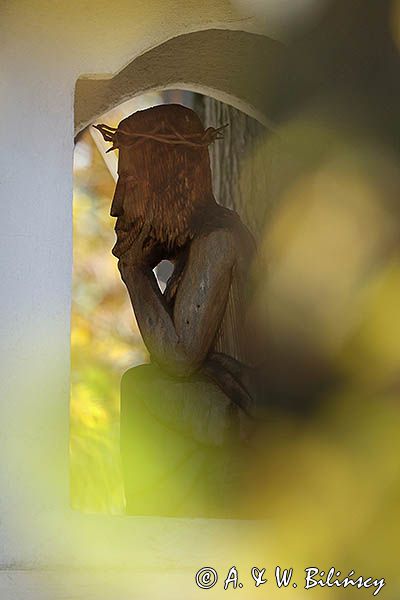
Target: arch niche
<point>230,71</point>
<point>235,70</point>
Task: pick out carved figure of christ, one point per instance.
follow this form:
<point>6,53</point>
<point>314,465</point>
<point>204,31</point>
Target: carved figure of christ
<point>165,209</point>
<point>184,417</point>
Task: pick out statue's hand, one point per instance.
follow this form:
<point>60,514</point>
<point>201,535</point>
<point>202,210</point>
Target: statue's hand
<point>143,252</point>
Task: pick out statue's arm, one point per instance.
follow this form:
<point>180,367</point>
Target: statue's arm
<point>180,342</point>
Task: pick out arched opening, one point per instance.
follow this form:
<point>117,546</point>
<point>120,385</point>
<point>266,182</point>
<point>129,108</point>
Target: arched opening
<point>233,67</point>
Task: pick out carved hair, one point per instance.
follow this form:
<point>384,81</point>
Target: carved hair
<point>164,169</point>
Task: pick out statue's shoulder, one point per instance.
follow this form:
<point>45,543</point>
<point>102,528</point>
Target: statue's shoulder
<point>219,219</point>
<point>214,242</point>
<point>224,228</point>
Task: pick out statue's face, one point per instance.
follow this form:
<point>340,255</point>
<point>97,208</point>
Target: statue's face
<point>125,208</point>
<point>160,185</point>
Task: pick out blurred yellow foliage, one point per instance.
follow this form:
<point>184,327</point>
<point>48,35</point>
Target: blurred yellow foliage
<point>104,338</point>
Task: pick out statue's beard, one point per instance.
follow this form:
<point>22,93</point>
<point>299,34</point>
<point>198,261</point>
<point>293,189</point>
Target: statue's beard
<point>125,239</point>
<point>167,238</point>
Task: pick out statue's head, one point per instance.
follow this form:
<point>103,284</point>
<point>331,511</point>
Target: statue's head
<point>164,176</point>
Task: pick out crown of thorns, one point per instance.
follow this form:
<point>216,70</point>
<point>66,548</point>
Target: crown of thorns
<point>119,137</point>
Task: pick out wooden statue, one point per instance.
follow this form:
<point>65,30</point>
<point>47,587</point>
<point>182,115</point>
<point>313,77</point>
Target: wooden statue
<point>187,411</point>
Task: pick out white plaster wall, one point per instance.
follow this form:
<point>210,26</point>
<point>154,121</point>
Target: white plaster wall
<point>45,46</point>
